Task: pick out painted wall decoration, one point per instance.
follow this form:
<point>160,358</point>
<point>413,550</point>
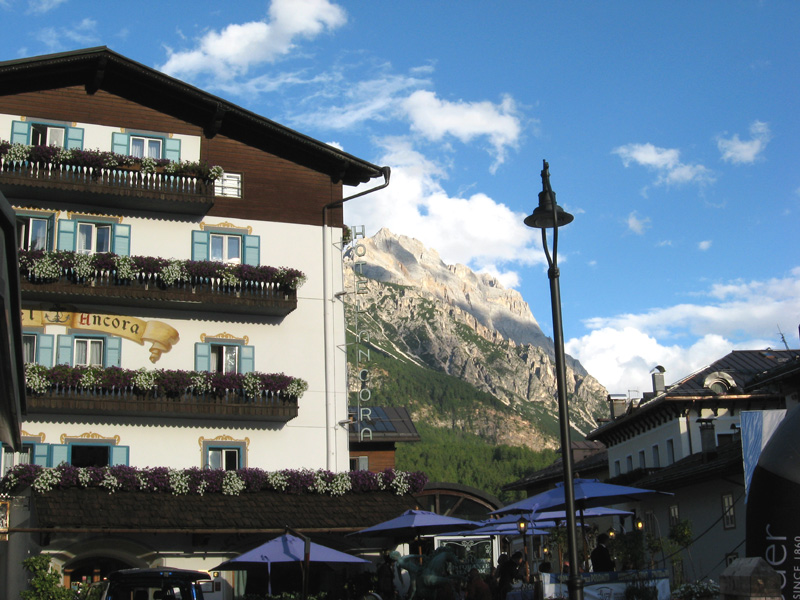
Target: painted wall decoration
<point>160,335</point>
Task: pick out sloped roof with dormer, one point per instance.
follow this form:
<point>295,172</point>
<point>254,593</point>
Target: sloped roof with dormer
<point>101,68</point>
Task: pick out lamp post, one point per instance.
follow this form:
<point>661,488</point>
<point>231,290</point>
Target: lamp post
<point>549,215</point>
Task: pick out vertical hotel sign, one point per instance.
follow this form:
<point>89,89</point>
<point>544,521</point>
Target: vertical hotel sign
<point>364,413</point>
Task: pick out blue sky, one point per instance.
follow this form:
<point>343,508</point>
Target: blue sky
<point>671,128</point>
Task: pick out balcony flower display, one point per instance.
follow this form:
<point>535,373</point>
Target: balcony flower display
<point>96,160</point>
<point>43,266</point>
<point>40,380</point>
<point>197,481</point>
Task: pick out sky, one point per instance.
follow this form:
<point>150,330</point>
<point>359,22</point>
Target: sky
<point>671,129</point>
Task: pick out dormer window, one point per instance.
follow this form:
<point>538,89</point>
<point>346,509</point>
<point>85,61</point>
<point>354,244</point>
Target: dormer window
<point>719,383</point>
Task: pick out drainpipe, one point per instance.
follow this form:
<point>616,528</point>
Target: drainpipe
<point>327,319</point>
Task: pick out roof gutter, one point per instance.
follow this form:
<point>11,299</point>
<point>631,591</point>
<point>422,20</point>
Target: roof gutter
<point>328,298</point>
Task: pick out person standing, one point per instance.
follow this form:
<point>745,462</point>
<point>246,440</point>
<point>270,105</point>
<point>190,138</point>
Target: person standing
<point>601,557</point>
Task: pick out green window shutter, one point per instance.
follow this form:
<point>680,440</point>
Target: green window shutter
<point>113,352</point>
<point>172,149</point>
<point>74,138</point>
<point>247,359</point>
<point>59,453</point>
<point>252,250</point>
<point>64,354</point>
<point>122,240</point>
<point>41,454</point>
<point>118,455</point>
<point>66,235</point>
<point>44,349</point>
<point>20,132</point>
<point>51,231</point>
<point>119,143</point>
<point>202,357</point>
<point>200,245</point>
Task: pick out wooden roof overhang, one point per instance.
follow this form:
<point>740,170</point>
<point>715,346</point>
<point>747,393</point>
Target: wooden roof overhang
<point>101,68</point>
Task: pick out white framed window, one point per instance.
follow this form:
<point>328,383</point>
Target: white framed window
<point>674,515</point>
<point>144,147</point>
<point>32,233</point>
<point>47,135</point>
<point>728,516</point>
<point>359,463</point>
<point>29,347</point>
<point>642,463</point>
<point>230,185</point>
<point>12,459</point>
<point>656,457</point>
<point>628,463</point>
<point>226,248</point>
<point>617,468</point>
<point>90,455</point>
<point>93,238</point>
<point>224,358</point>
<point>88,352</point>
<point>670,451</point>
<point>226,459</point>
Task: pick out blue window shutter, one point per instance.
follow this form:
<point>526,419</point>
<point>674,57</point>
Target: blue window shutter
<point>202,357</point>
<point>113,352</point>
<point>119,143</point>
<point>122,240</point>
<point>118,455</point>
<point>66,235</point>
<point>44,349</point>
<point>20,132</point>
<point>74,138</point>
<point>252,250</point>
<point>200,243</point>
<point>247,359</point>
<point>64,355</point>
<point>51,232</point>
<point>41,453</point>
<point>172,149</point>
<point>59,453</point>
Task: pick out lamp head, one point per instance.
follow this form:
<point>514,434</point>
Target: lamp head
<point>522,525</point>
<point>639,524</point>
<point>548,214</point>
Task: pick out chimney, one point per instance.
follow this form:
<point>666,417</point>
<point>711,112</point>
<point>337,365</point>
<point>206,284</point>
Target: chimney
<point>658,380</point>
<point>708,438</point>
<point>617,404</point>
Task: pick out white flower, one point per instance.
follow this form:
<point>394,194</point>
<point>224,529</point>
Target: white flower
<point>232,484</point>
<point>252,385</point>
<point>46,480</point>
<point>174,272</point>
<point>84,478</point>
<point>179,482</point>
<point>110,482</point>
<point>296,388</point>
<point>46,267</point>
<point>278,480</point>
<point>18,153</point>
<point>341,484</point>
<point>36,378</point>
<point>144,379</point>
<point>125,267</point>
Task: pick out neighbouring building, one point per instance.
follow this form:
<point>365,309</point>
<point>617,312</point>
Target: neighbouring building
<point>685,438</point>
<point>179,322</point>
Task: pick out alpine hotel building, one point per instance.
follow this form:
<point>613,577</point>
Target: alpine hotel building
<point>278,204</point>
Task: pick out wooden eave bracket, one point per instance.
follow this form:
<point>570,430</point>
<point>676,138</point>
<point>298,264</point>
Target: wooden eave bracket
<point>99,74</point>
<point>215,123</point>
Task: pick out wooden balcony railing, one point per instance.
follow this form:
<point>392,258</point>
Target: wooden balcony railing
<point>118,187</point>
<point>230,405</point>
<point>206,294</point>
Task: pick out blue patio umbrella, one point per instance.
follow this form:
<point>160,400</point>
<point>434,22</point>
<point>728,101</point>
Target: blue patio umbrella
<point>414,523</point>
<point>286,548</point>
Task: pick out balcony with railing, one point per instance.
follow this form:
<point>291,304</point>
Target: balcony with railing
<point>121,187</point>
<point>135,282</point>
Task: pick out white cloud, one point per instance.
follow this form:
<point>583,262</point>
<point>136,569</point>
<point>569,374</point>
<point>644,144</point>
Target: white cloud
<point>435,119</point>
<point>737,151</point>
<point>704,245</point>
<point>42,6</point>
<point>474,230</point>
<point>84,33</point>
<point>666,162</point>
<point>232,51</point>
<point>637,225</point>
<point>620,351</point>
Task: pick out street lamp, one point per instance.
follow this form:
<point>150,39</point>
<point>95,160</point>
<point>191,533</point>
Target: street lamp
<point>550,215</point>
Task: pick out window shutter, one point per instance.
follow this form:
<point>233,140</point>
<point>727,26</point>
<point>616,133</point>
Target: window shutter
<point>20,132</point>
<point>113,351</point>
<point>122,240</point>
<point>247,359</point>
<point>202,357</point>
<point>44,349</point>
<point>200,243</point>
<point>59,453</point>
<point>252,250</point>
<point>64,354</point>
<point>172,149</point>
<point>51,231</point>
<point>118,455</point>
<point>119,143</point>
<point>66,235</point>
<point>41,452</point>
<point>74,138</point>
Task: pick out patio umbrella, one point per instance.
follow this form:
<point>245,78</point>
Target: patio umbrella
<point>589,493</point>
<point>286,548</point>
<point>414,523</point>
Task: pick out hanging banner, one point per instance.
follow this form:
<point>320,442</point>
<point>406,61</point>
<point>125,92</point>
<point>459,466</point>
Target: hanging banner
<point>160,335</point>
